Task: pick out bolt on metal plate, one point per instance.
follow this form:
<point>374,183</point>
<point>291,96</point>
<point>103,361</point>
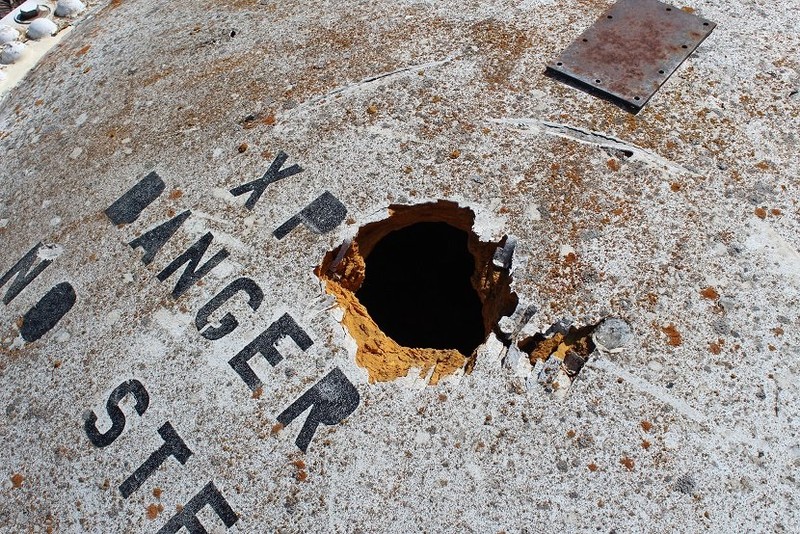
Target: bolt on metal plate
<point>630,51</point>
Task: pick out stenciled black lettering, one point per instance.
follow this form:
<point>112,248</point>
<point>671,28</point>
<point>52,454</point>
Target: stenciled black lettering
<point>173,446</point>
<point>228,322</point>
<point>331,399</point>
<point>130,205</point>
<point>24,272</point>
<point>187,517</point>
<point>192,256</point>
<point>117,416</point>
<point>264,344</point>
<point>324,214</point>
<point>45,314</point>
<point>154,239</point>
<point>273,174</point>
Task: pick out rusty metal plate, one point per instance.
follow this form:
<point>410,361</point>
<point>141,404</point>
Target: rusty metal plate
<point>630,51</point>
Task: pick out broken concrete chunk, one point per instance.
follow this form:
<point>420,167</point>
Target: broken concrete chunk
<point>612,335</point>
<point>506,325</point>
<point>548,373</point>
<point>503,255</point>
<point>573,363</point>
<point>517,361</point>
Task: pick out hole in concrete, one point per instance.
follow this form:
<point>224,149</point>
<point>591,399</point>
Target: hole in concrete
<point>419,290</point>
<point>559,342</point>
<point>561,353</point>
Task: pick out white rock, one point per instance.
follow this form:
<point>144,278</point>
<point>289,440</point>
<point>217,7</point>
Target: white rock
<point>8,34</point>
<point>11,52</point>
<point>62,336</point>
<point>2,75</point>
<point>40,28</point>
<point>69,8</point>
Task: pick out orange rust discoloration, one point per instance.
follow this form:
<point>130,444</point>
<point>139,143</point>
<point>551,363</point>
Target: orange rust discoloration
<point>627,462</point>
<point>673,336</point>
<point>504,45</point>
<point>577,340</point>
<point>153,510</point>
<point>547,347</point>
<point>709,293</point>
<point>17,480</point>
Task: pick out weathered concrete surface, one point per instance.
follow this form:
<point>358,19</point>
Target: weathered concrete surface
<point>692,427</point>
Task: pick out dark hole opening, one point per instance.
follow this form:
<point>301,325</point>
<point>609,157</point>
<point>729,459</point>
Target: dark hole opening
<point>417,288</point>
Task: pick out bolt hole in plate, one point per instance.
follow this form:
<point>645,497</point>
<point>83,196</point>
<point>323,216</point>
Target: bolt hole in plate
<point>633,48</point>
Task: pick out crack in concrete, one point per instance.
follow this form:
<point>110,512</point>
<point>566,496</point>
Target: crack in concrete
<point>598,139</point>
<point>354,87</point>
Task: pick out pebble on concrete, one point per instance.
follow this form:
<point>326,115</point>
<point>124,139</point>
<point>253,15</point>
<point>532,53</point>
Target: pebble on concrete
<point>40,28</point>
<point>69,8</point>
<point>11,52</point>
<point>8,34</point>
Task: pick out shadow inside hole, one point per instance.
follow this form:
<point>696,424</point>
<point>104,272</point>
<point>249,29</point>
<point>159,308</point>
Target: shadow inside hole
<point>417,288</point>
